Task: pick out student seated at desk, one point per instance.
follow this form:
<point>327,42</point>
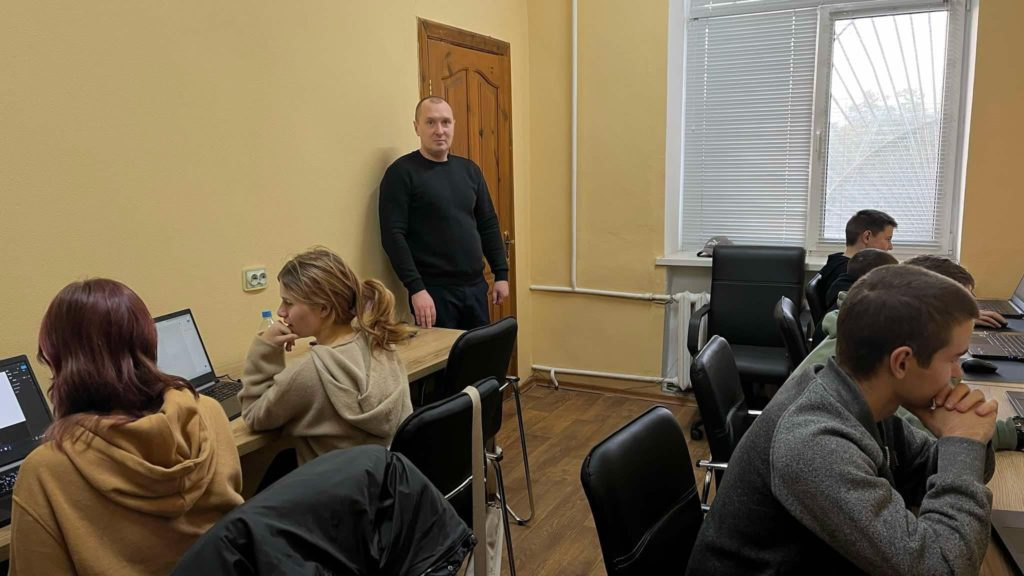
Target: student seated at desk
<point>137,466</point>
<point>1009,434</point>
<point>825,478</point>
<point>865,229</point>
<point>352,388</point>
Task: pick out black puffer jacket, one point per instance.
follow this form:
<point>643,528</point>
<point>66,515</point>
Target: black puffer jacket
<point>359,511</point>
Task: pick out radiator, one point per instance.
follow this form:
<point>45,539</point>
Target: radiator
<point>687,304</point>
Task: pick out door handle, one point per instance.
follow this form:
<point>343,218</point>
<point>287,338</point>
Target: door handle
<point>508,245</point>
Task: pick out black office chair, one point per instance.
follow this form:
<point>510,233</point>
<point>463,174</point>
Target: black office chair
<point>815,293</point>
<point>746,282</point>
<point>716,385</point>
<point>786,316</point>
<point>436,439</point>
<point>486,352</point>
<point>643,496</point>
<point>361,510</point>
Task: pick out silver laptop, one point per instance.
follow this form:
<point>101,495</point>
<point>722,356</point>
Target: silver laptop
<point>24,418</point>
<point>180,352</point>
<point>1012,308</point>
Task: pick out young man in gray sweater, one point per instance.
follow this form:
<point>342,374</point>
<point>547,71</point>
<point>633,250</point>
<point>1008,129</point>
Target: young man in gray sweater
<point>826,477</point>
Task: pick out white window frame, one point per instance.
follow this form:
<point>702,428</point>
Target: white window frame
<point>827,15</point>
<point>954,166</point>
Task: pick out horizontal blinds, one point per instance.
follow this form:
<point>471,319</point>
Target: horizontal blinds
<point>748,107</point>
<point>893,124</point>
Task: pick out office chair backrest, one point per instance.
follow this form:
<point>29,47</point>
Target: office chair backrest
<point>719,393</point>
<point>787,318</point>
<point>815,299</point>
<point>640,485</point>
<point>746,282</point>
<point>436,439</point>
<point>477,354</point>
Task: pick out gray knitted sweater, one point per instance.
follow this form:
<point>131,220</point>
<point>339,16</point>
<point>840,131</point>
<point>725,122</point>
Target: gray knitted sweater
<point>817,484</point>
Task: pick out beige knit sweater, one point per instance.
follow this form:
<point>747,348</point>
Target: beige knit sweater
<point>337,397</point>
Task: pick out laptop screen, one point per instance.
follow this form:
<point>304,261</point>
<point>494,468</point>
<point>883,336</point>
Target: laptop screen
<point>180,350</point>
<point>1018,294</point>
<point>24,414</point>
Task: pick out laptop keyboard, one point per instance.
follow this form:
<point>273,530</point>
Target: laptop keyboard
<point>999,307</point>
<point>223,390</point>
<point>1012,344</point>
<point>7,481</point>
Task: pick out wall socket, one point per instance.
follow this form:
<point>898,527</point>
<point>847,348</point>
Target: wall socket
<point>254,279</point>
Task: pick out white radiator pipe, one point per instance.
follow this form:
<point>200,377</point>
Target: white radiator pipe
<point>648,296</point>
<point>573,287</point>
<point>575,128</point>
<point>611,375</point>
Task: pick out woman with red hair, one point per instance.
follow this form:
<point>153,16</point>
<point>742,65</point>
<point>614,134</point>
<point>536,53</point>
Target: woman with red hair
<point>136,466</point>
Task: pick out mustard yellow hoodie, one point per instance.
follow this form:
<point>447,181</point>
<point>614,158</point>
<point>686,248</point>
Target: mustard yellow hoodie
<point>126,499</point>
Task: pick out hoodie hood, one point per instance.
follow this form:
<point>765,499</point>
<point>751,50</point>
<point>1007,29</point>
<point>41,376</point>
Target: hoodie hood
<point>829,324</point>
<point>346,372</point>
<point>159,464</point>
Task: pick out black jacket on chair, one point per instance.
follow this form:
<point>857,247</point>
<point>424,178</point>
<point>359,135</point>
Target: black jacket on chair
<point>360,511</point>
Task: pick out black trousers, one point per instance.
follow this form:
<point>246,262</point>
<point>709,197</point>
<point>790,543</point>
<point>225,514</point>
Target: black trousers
<point>461,307</point>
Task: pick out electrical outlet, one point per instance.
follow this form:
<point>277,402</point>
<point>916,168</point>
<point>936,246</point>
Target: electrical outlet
<point>254,279</point>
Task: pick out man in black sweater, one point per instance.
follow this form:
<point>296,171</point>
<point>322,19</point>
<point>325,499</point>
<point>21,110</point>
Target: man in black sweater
<point>437,223</point>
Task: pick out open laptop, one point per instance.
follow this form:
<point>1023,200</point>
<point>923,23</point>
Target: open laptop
<point>997,345</point>
<point>180,352</point>
<point>24,418</point>
<point>1012,308</point>
<point>1008,527</point>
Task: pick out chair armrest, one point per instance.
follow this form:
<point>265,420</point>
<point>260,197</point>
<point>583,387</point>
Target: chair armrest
<point>508,380</point>
<point>693,332</point>
<point>712,465</point>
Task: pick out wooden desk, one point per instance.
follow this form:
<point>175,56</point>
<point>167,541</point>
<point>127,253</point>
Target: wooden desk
<point>424,354</point>
<point>1007,483</point>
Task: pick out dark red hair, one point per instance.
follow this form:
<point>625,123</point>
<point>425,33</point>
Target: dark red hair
<point>100,341</point>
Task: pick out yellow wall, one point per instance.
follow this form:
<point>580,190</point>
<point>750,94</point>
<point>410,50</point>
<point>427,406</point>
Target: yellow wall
<point>622,63</point>
<point>993,248</point>
<point>621,174</point>
<point>169,145</point>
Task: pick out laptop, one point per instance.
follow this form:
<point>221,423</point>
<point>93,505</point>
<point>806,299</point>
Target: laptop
<point>180,352</point>
<point>1008,527</point>
<point>24,418</point>
<point>1017,401</point>
<point>997,345</point>
<point>1012,308</point>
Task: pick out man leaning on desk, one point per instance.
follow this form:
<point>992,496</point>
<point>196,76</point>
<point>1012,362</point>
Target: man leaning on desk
<point>827,478</point>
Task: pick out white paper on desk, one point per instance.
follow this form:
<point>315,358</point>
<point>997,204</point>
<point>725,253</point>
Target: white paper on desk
<point>10,409</point>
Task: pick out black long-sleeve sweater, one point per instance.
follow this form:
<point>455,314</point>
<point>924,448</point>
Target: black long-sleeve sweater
<point>437,222</point>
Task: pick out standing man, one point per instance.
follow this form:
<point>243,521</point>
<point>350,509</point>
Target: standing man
<point>437,223</point>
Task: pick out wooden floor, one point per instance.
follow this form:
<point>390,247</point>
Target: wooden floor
<point>562,426</point>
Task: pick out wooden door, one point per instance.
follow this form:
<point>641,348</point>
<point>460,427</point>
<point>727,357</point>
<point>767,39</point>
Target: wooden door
<point>473,73</point>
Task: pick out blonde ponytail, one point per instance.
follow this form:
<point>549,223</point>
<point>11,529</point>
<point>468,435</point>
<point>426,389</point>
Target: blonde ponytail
<point>375,315</point>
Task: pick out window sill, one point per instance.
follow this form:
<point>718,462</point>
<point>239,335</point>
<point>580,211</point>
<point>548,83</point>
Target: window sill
<point>690,260</point>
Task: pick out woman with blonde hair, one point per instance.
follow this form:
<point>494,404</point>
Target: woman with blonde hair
<point>352,388</point>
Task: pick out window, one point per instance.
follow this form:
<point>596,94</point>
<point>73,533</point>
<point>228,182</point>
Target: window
<point>798,113</point>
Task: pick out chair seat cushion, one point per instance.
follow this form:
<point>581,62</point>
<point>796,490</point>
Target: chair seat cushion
<point>761,364</point>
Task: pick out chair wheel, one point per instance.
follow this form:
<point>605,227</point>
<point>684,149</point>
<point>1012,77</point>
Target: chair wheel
<point>696,434</point>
